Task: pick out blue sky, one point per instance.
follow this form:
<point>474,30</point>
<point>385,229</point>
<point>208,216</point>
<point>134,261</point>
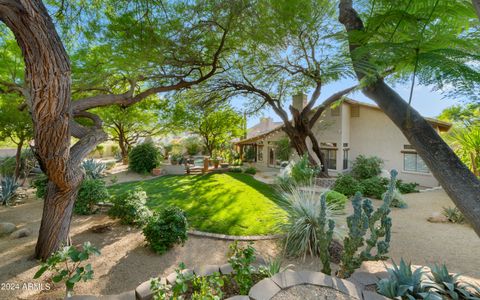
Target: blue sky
<point>429,103</point>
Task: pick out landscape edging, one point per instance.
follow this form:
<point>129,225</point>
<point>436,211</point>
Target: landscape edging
<point>234,237</point>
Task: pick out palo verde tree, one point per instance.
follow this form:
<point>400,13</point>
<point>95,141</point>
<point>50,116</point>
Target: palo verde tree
<point>293,48</point>
<point>432,42</point>
<point>148,49</point>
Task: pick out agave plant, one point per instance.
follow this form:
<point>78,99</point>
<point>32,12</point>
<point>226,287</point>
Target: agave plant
<point>453,215</point>
<point>9,187</point>
<point>449,286</point>
<point>93,169</point>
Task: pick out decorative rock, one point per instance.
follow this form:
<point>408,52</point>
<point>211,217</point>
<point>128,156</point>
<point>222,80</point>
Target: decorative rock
<point>260,261</point>
<point>437,217</point>
<point>226,269</point>
<point>364,278</point>
<point>173,276</point>
<point>264,290</point>
<point>368,295</point>
<point>206,270</point>
<point>381,275</point>
<point>316,278</point>
<point>143,292</point>
<point>347,287</point>
<point>287,279</point>
<point>239,298</point>
<point>130,295</point>
<point>20,233</point>
<point>7,228</point>
<point>82,297</point>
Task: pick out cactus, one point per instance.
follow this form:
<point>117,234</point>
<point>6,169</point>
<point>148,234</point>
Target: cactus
<point>9,187</point>
<point>325,239</point>
<point>365,220</point>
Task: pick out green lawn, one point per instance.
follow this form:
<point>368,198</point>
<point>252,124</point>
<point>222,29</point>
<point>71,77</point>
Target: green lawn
<point>230,203</point>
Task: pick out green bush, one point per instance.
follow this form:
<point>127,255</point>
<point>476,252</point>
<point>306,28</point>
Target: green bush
<point>7,166</point>
<point>144,158</point>
<point>406,188</point>
<point>336,200</point>
<point>241,259</point>
<point>165,229</point>
<point>374,187</point>
<point>40,183</point>
<point>249,154</point>
<point>192,144</point>
<point>366,167</point>
<point>283,149</point>
<point>235,170</point>
<point>91,192</point>
<point>131,207</point>
<point>250,170</point>
<point>347,185</point>
<point>302,172</point>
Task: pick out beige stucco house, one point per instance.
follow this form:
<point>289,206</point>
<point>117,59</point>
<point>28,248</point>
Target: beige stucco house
<point>351,129</point>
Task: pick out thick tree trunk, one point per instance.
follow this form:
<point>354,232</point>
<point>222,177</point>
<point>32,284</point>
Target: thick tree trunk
<point>123,149</point>
<point>18,159</point>
<point>319,153</point>
<point>460,184</point>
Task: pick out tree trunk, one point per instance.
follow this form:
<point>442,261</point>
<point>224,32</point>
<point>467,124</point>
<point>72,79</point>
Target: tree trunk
<point>18,159</point>
<point>320,155</point>
<point>460,184</point>
<point>123,149</point>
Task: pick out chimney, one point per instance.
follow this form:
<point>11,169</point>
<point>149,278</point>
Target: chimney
<point>299,101</point>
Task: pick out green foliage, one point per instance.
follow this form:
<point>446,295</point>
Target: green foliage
<point>208,287</point>
<point>397,199</point>
<point>309,226</point>
<point>40,183</point>
<point>283,149</point>
<point>192,144</point>
<point>403,283</point>
<point>374,187</point>
<point>272,267</point>
<point>454,215</point>
<point>250,170</point>
<point>92,191</point>
<point>465,141</point>
<point>7,166</point>
<point>131,207</point>
<point>302,172</point>
<point>235,169</point>
<point>366,167</point>
<point>241,259</point>
<point>346,184</point>
<point>9,187</point>
<point>176,158</point>
<point>367,228</point>
<point>249,154</point>
<point>165,229</point>
<point>144,158</point>
<point>93,169</point>
<point>336,200</point>
<point>67,264</point>
<point>406,188</point>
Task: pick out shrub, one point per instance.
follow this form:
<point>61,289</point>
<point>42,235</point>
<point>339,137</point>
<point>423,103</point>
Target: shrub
<point>302,172</point>
<point>250,170</point>
<point>336,200</point>
<point>249,154</point>
<point>366,167</point>
<point>406,188</point>
<point>131,207</point>
<point>176,158</point>
<point>165,229</point>
<point>93,169</point>
<point>66,265</point>
<point>241,259</point>
<point>91,192</point>
<point>453,215</point>
<point>347,185</point>
<point>235,170</point>
<point>144,158</point>
<point>192,144</point>
<point>7,166</point>
<point>208,287</point>
<point>397,199</point>
<point>110,165</point>
<point>374,187</point>
<point>9,188</point>
<point>40,183</point>
<point>283,149</point>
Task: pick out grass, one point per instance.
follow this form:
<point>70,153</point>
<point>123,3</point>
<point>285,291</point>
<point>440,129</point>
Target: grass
<point>234,204</point>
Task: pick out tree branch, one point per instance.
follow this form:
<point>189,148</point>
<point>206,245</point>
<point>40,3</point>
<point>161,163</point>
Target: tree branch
<point>329,101</point>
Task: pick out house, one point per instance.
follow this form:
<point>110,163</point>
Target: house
<point>266,125</point>
<point>348,130</point>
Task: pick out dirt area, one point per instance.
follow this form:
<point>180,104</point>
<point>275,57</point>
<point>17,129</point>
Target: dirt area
<point>125,261</point>
<point>310,292</point>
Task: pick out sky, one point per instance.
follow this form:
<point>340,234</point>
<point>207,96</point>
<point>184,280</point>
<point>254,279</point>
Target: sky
<point>429,103</point>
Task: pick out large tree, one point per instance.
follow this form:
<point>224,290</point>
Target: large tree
<point>414,38</point>
<point>151,48</point>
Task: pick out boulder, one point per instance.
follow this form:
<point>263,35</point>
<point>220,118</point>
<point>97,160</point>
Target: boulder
<point>437,217</point>
<point>20,233</point>
<point>7,228</point>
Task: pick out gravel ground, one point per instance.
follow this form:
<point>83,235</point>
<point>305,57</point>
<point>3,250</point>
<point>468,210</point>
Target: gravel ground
<point>310,292</point>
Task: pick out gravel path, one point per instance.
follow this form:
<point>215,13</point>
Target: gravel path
<point>310,292</point>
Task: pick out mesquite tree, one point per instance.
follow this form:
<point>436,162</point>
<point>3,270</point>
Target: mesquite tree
<point>378,43</point>
<point>179,31</point>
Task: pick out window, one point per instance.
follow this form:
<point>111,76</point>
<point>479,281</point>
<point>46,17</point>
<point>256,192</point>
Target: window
<point>345,159</point>
<point>260,152</point>
<point>412,162</point>
<point>330,158</point>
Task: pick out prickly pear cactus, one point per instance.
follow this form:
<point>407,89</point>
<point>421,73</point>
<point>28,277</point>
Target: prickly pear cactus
<point>376,223</point>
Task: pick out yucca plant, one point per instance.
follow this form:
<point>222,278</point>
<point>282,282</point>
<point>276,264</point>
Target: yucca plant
<point>450,286</point>
<point>93,169</point>
<point>9,187</point>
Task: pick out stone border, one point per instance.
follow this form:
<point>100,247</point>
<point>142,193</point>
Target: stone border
<point>234,237</point>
